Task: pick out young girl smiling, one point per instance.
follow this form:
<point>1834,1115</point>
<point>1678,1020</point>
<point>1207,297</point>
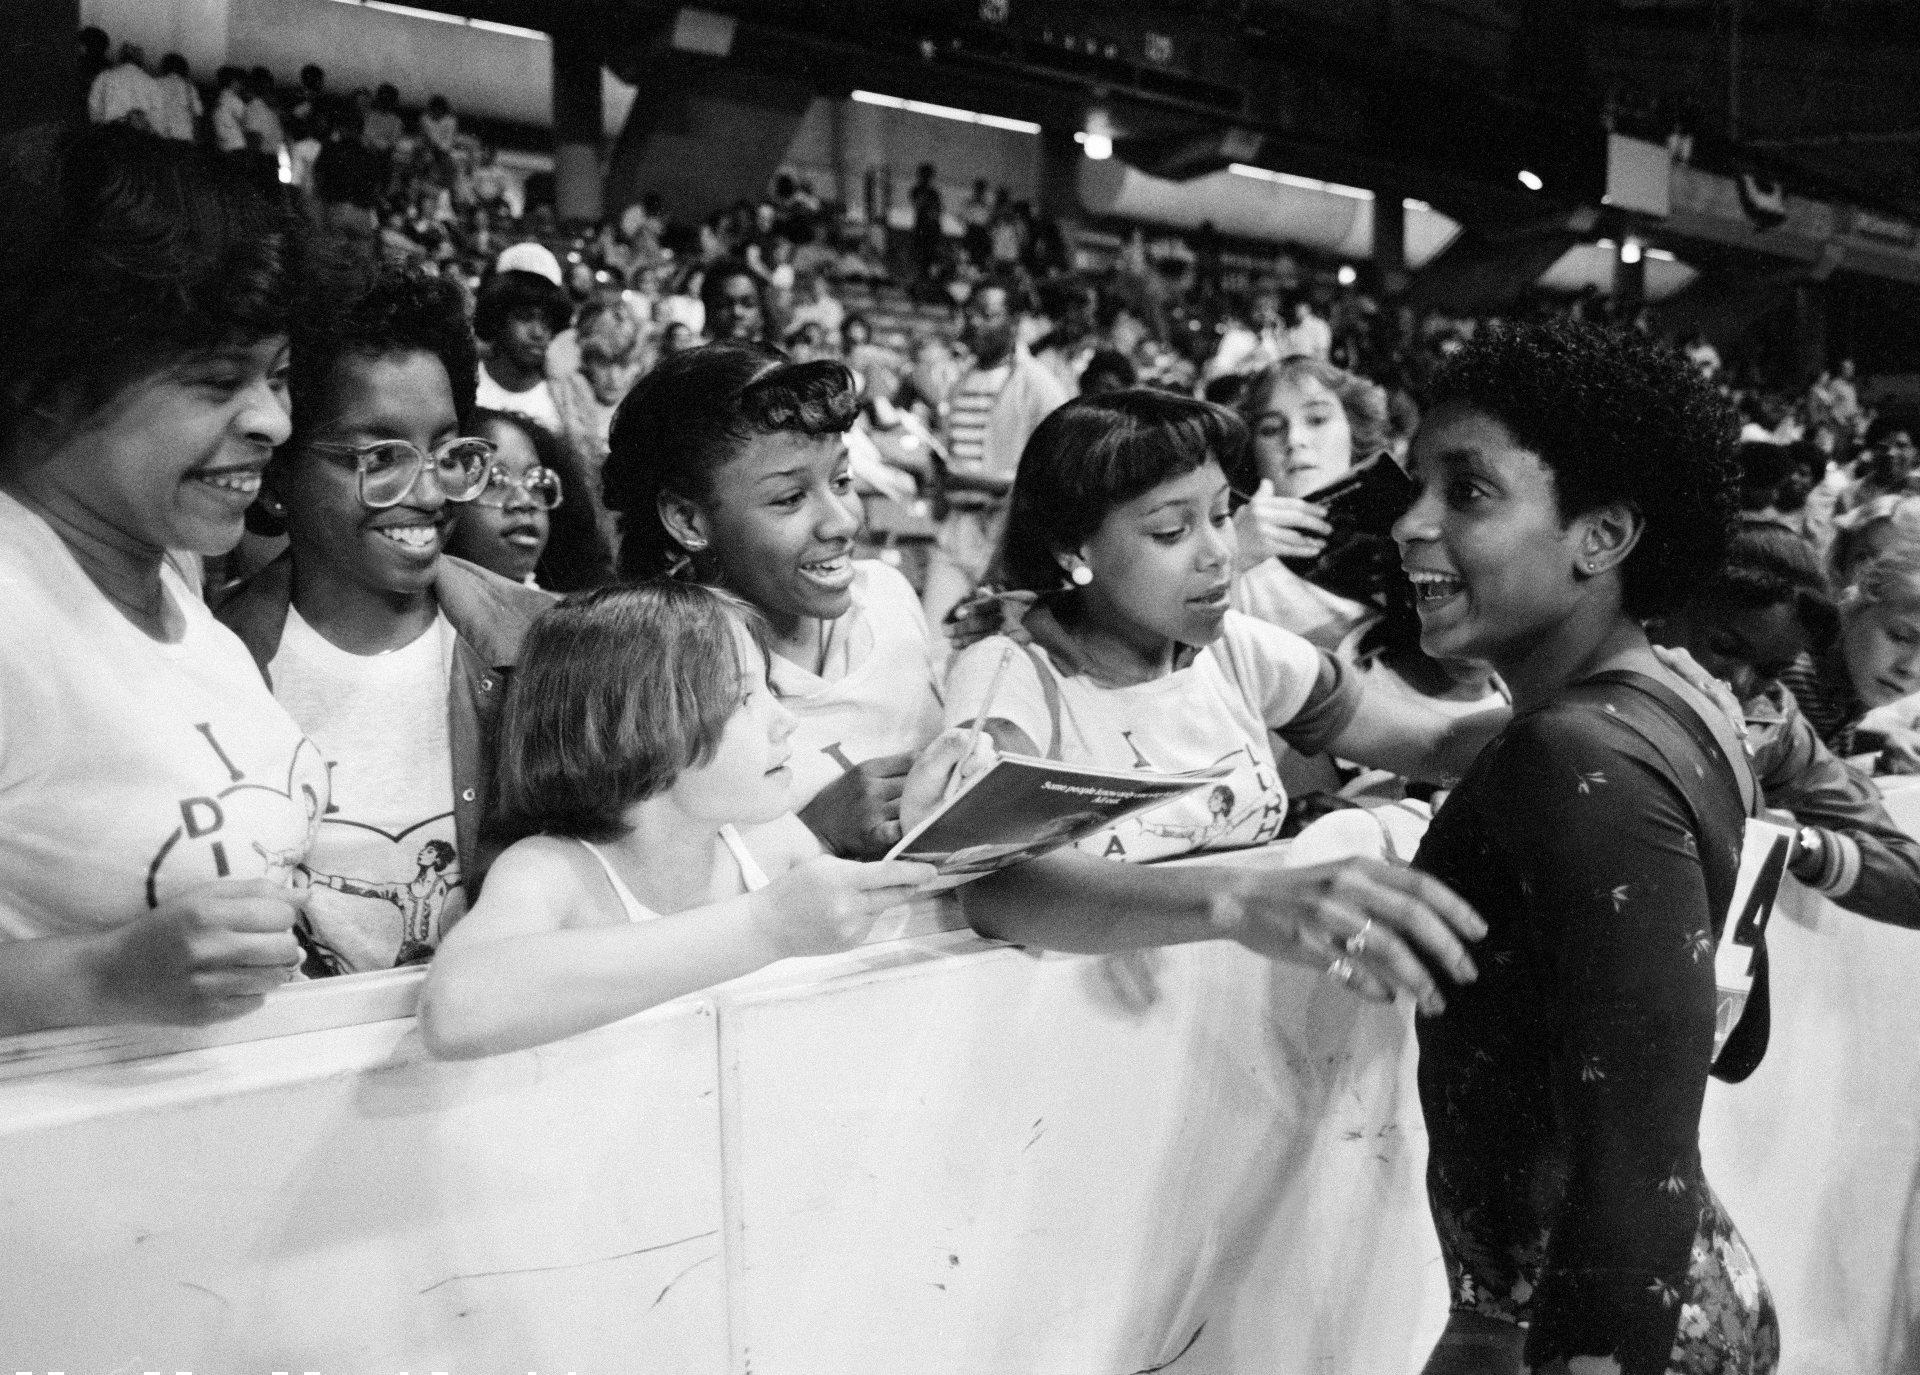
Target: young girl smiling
<point>648,764</point>
<point>729,467</point>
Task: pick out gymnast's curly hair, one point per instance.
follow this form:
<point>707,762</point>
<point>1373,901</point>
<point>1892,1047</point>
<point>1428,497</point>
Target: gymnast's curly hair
<point>1617,418</point>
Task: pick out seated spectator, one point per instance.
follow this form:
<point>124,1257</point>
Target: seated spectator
<point>612,354</point>
<point>1747,625</point>
<point>1107,370</point>
<point>154,798</point>
<point>734,304</point>
<point>382,126</point>
<point>127,93</point>
<point>643,762</point>
<point>180,107</point>
<point>1875,662</point>
<point>229,111</point>
<point>439,126</point>
<point>392,656</point>
<point>819,305</point>
<point>534,521</point>
<point>349,179</point>
<point>516,317</point>
<point>729,467</point>
<point>991,411</point>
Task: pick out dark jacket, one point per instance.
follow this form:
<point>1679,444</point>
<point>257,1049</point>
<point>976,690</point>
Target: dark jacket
<point>489,615</point>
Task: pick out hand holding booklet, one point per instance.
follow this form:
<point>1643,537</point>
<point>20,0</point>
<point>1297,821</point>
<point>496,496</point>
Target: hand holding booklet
<point>1021,807</point>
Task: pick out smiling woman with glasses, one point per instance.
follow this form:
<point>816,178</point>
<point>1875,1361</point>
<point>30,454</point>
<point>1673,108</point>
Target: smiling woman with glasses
<point>392,656</point>
<point>390,469</point>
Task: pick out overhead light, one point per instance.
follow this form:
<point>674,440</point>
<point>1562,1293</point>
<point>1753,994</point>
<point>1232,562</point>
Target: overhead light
<point>1531,181</point>
<point>921,107</point>
<point>440,17</point>
<point>1346,276</point>
<point>1241,169</point>
<point>1630,252</point>
<point>1099,147</point>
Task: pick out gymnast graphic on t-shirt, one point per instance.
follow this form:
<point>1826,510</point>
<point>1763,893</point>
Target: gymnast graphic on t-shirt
<point>421,899</point>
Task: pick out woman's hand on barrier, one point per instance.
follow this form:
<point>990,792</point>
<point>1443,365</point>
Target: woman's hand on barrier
<point>1270,525</point>
<point>944,766</point>
<point>212,953</point>
<point>989,613</point>
<point>858,814</point>
<point>823,905</point>
<point>1378,928</point>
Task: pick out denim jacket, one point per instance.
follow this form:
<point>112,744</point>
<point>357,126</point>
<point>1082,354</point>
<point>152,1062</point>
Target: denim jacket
<point>489,615</point>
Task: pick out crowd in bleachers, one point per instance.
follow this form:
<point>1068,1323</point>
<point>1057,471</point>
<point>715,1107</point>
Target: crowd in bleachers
<point>1135,502</point>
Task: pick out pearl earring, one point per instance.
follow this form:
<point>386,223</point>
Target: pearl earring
<point>1080,575</point>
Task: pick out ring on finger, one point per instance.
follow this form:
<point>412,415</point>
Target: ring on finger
<point>1341,970</point>
<point>1357,942</point>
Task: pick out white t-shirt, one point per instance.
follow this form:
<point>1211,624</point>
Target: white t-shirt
<point>384,868</point>
<point>535,403</point>
<point>1216,710</point>
<point>131,770</point>
<point>880,694</point>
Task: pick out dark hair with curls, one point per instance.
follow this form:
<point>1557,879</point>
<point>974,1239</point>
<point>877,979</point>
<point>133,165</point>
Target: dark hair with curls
<point>619,689</point>
<point>513,293</point>
<point>1617,419</point>
<point>691,415</point>
<point>1768,565</point>
<point>379,309</point>
<point>1097,452</point>
<point>122,253</point>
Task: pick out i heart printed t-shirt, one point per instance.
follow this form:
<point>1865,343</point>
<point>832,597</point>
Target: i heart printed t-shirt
<point>131,770</point>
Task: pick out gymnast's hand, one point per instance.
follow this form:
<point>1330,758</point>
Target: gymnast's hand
<point>1378,928</point>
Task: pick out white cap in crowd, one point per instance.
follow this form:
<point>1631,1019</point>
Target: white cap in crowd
<point>529,257</point>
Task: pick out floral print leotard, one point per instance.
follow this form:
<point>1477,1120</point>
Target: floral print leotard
<point>1599,837</point>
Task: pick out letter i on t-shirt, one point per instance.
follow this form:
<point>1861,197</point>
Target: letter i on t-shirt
<point>384,870</point>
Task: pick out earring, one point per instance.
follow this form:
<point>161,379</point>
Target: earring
<point>1080,575</point>
<point>694,546</point>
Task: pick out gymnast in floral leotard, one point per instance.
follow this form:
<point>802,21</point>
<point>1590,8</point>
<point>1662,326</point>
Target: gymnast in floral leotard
<point>1571,483</point>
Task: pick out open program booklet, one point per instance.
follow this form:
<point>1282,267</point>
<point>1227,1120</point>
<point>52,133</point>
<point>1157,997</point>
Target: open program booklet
<point>1023,806</point>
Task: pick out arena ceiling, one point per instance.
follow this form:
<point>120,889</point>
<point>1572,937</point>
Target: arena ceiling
<point>1820,93</point>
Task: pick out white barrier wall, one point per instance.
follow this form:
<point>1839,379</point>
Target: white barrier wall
<point>929,1155</point>
<point>1817,1156</point>
<point>934,1155</point>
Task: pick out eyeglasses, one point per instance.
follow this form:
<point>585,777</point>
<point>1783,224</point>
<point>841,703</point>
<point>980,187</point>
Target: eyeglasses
<point>541,486</point>
<point>390,469</point>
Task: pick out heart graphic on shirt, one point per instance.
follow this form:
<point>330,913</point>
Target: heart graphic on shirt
<point>244,829</point>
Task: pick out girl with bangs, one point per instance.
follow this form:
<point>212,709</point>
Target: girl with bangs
<point>1122,523</point>
<point>647,763</point>
<point>729,467</point>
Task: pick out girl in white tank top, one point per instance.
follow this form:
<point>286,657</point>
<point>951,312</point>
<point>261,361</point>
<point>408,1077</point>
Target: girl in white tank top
<point>644,761</point>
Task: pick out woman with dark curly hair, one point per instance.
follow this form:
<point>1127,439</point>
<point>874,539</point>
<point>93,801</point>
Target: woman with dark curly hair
<point>1571,484</point>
